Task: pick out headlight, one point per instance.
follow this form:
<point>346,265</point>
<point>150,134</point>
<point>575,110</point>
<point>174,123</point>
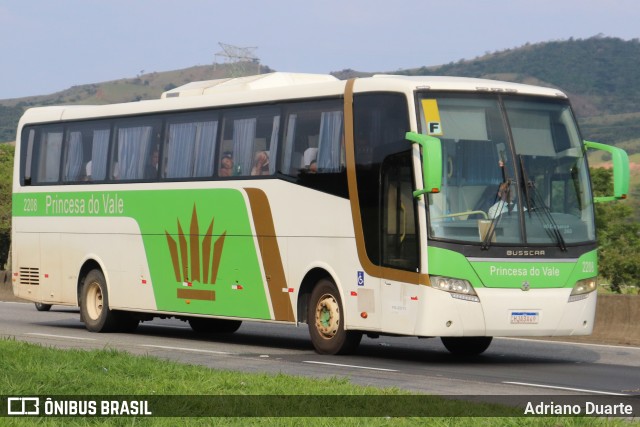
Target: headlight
<point>458,288</point>
<point>582,288</point>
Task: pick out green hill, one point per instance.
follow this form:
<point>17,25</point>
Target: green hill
<point>600,74</point>
<point>143,86</point>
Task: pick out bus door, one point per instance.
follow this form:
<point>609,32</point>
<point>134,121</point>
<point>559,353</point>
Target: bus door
<point>399,244</point>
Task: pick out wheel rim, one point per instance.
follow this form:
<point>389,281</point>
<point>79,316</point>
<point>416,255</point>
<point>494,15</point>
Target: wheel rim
<point>327,316</point>
<point>95,301</point>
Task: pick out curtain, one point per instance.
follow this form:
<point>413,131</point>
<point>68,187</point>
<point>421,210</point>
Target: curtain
<point>99,153</point>
<point>273,146</point>
<point>205,148</point>
<point>133,152</point>
<point>288,167</point>
<point>180,150</point>
<point>244,133</point>
<point>190,149</point>
<point>329,141</point>
<point>50,157</point>
<point>74,158</point>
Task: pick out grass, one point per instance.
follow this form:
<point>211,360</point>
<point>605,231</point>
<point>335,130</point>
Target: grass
<point>28,370</point>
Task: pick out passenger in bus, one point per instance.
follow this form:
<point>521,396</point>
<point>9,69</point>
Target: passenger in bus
<point>226,165</point>
<point>310,155</point>
<point>313,167</point>
<point>87,169</point>
<point>260,164</point>
<point>151,170</point>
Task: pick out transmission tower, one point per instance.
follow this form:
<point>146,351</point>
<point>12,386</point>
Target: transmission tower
<point>240,61</point>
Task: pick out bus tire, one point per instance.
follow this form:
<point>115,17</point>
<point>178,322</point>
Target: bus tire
<point>466,346</point>
<point>326,321</point>
<point>43,307</point>
<point>204,326</point>
<point>94,307</point>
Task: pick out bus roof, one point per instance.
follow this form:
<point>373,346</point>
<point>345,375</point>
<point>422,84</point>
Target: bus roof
<point>273,87</point>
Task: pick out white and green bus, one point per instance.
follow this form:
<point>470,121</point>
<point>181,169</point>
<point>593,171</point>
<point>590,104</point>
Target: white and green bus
<point>416,206</point>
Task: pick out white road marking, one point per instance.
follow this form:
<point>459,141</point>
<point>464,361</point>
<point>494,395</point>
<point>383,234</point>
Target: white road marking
<point>588,344</point>
<point>565,388</point>
<point>349,366</point>
<point>60,336</point>
<point>195,350</point>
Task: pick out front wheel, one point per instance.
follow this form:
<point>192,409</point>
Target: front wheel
<point>466,346</point>
<point>326,321</point>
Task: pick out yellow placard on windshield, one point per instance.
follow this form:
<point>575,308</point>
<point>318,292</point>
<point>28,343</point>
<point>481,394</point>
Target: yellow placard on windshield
<point>432,117</point>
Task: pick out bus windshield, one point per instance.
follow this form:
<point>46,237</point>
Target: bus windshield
<point>514,171</point>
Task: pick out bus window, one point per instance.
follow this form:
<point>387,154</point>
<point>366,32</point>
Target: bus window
<point>74,158</point>
<point>134,151</point>
<point>48,157</point>
<point>85,152</point>
<point>249,142</point>
<point>313,139</point>
<point>190,148</point>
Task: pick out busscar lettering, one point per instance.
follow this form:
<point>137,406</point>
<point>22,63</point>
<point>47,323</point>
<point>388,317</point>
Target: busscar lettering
<point>525,252</point>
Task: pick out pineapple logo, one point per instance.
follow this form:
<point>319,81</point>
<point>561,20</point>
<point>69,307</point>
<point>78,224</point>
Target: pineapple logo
<point>195,259</point>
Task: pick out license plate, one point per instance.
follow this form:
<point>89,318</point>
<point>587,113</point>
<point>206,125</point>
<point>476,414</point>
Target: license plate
<point>524,317</point>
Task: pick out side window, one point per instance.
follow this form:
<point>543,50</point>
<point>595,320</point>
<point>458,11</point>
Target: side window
<point>313,141</point>
<point>190,148</point>
<point>48,157</point>
<point>85,152</point>
<point>136,153</point>
<point>249,142</point>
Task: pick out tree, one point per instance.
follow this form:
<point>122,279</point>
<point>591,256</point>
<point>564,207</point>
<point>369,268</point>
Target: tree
<point>6,176</point>
<point>618,236</point>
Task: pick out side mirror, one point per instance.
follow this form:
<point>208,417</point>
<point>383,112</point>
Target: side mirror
<point>431,162</point>
<point>620,171</point>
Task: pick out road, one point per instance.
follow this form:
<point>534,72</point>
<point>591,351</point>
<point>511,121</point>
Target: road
<point>508,367</point>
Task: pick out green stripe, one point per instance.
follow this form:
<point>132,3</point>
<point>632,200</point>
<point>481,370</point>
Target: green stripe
<point>160,214</point>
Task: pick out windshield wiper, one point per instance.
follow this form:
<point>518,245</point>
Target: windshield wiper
<point>540,208</point>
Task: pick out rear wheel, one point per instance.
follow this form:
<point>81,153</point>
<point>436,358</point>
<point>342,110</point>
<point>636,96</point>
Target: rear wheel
<point>326,321</point>
<point>94,307</point>
<point>204,326</point>
<point>95,311</point>
<point>43,307</point>
<point>466,346</point>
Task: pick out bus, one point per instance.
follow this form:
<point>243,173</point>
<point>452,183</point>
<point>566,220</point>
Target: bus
<point>445,207</point>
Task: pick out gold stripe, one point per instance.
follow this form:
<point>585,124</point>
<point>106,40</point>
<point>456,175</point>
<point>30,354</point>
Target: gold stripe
<point>194,243</point>
<point>196,294</point>
<point>183,253</point>
<point>217,253</point>
<point>270,253</point>
<point>206,253</point>
<point>173,249</point>
<point>370,268</point>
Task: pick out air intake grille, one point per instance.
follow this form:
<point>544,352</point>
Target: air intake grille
<point>29,276</point>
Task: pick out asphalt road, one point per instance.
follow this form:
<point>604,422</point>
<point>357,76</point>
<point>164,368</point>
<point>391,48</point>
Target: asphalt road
<point>508,367</point>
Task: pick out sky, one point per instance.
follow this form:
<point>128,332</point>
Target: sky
<point>50,45</point>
